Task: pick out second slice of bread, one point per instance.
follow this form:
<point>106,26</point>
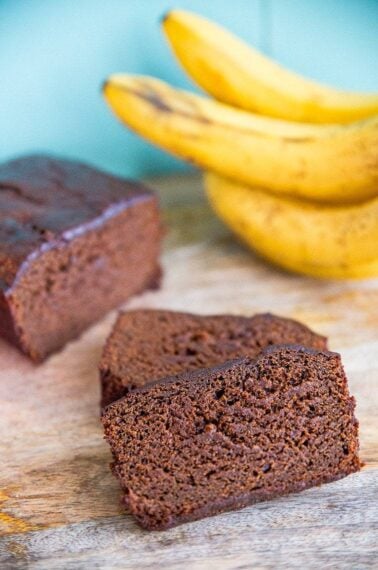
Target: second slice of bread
<point>146,345</point>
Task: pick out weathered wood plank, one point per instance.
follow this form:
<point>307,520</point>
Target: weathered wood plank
<point>328,527</point>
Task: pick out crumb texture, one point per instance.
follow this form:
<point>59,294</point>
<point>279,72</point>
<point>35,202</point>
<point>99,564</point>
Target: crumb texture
<point>249,430</point>
<point>146,345</point>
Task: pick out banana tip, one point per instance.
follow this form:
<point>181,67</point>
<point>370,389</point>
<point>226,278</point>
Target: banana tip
<point>165,16</point>
<point>104,85</point>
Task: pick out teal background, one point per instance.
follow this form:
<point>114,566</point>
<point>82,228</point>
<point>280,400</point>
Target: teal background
<point>54,55</point>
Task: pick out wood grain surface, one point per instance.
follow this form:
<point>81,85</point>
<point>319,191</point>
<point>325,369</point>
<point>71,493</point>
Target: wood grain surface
<point>58,500</point>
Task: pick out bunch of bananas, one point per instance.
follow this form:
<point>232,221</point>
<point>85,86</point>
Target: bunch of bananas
<point>291,166</point>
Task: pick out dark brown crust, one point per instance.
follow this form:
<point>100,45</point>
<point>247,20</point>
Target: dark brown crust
<point>163,435</point>
<point>44,200</point>
<point>146,345</point>
<point>7,329</point>
<point>193,375</point>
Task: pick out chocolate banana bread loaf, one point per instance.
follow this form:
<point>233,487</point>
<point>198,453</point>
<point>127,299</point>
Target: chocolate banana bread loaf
<point>146,345</point>
<point>74,243</point>
<point>216,439</point>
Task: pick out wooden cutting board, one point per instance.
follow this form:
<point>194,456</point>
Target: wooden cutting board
<point>60,504</point>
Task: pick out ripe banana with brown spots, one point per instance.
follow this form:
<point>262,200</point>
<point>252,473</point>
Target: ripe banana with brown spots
<point>315,239</point>
<point>316,162</point>
<point>237,74</point>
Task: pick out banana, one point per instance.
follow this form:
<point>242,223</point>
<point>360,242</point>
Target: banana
<point>363,271</point>
<point>235,73</point>
<point>326,163</point>
<point>319,240</point>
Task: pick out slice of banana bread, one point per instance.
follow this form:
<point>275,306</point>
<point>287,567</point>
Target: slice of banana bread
<point>217,439</point>
<point>146,345</point>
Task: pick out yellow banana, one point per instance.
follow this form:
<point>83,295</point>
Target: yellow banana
<point>363,271</point>
<point>235,73</point>
<point>326,163</point>
<point>306,237</point>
